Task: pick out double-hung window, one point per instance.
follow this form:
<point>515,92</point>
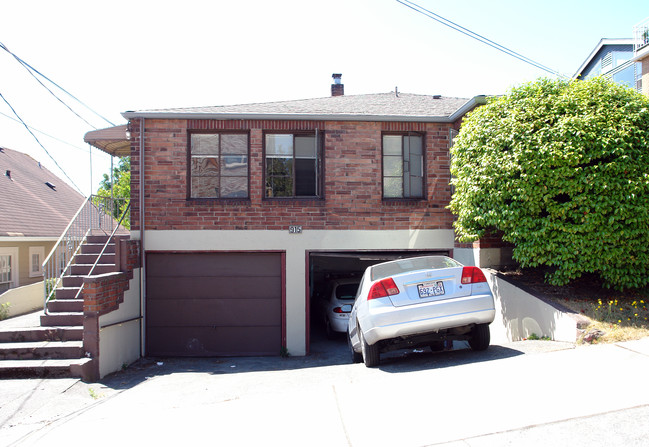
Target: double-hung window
<point>403,166</point>
<point>293,165</point>
<point>219,165</point>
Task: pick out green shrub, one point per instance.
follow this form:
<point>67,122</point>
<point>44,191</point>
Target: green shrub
<point>561,169</point>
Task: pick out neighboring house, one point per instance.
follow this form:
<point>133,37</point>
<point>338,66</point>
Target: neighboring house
<point>35,208</point>
<point>641,52</point>
<point>242,211</point>
<point>613,59</point>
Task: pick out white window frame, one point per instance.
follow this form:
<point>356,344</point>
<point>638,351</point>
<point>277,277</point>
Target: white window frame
<point>36,270</point>
<point>12,252</point>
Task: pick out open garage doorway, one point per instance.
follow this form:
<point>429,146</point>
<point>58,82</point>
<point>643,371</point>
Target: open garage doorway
<point>335,274</point>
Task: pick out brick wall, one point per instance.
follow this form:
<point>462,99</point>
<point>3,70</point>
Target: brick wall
<point>352,180</point>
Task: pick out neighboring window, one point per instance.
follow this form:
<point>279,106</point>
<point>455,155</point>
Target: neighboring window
<point>219,165</point>
<point>8,268</point>
<point>36,256</point>
<point>403,166</point>
<point>293,165</point>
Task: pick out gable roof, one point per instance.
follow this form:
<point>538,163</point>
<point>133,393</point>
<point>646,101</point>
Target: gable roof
<point>372,107</point>
<point>28,206</point>
<point>602,42</point>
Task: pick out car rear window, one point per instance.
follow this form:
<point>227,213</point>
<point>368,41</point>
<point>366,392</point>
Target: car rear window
<point>411,264</point>
<point>346,291</point>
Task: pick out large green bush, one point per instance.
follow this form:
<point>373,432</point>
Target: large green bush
<point>561,168</point>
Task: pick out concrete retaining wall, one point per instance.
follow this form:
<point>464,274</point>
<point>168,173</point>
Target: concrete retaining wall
<point>23,300</point>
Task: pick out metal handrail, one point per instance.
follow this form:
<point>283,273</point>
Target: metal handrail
<point>97,213</point>
<point>110,238</point>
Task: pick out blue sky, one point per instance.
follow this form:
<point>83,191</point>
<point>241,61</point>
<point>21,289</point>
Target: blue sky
<point>129,55</point>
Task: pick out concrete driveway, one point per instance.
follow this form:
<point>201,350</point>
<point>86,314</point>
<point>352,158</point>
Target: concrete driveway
<point>523,393</point>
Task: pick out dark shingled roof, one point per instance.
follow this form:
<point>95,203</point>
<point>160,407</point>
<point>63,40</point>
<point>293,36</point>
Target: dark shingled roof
<point>28,206</point>
<point>372,107</point>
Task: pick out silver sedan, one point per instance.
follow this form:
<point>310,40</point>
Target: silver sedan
<point>414,302</point>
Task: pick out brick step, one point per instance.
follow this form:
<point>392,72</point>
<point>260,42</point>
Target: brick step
<point>91,258</point>
<point>97,248</point>
<point>66,293</point>
<point>72,280</point>
<point>62,319</point>
<point>41,350</point>
<point>84,269</point>
<point>97,239</point>
<point>42,333</point>
<point>69,305</point>
<point>19,369</point>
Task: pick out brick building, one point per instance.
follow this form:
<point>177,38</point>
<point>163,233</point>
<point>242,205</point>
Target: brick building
<point>242,212</point>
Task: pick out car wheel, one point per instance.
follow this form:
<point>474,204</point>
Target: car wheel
<point>480,337</point>
<point>371,355</point>
<point>356,357</point>
<point>436,346</point>
<point>331,334</point>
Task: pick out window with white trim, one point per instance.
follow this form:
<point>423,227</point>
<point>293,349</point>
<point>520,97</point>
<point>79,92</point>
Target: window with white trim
<point>36,256</point>
<point>403,166</point>
<point>8,268</point>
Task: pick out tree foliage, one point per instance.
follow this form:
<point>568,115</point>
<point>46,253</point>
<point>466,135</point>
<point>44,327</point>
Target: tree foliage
<point>561,168</point>
<point>121,187</point>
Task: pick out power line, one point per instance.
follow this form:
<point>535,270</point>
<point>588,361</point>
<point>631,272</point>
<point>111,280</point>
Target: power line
<point>478,37</point>
<point>40,144</point>
<point>46,134</point>
<point>31,70</point>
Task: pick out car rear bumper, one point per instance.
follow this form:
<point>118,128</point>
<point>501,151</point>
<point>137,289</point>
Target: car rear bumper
<point>384,321</point>
<point>339,322</point>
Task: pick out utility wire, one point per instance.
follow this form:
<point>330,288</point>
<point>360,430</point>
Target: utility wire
<point>46,134</point>
<point>478,37</point>
<point>31,70</point>
<point>40,144</point>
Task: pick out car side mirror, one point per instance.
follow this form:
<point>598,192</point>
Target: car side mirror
<point>346,307</point>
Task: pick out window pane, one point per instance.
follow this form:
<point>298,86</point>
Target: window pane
<point>205,187</point>
<point>392,166</point>
<point>234,165</point>
<point>305,147</point>
<point>416,187</point>
<point>413,144</point>
<point>205,144</point>
<point>279,166</point>
<point>205,166</point>
<point>392,187</point>
<point>279,145</point>
<point>625,77</point>
<point>279,187</point>
<point>233,187</point>
<point>305,177</point>
<point>392,145</point>
<point>416,162</point>
<point>234,144</point>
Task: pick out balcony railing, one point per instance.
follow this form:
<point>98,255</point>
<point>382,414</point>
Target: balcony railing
<point>97,216</point>
<point>641,35</point>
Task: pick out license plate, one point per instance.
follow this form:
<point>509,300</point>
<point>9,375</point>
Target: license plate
<point>429,289</point>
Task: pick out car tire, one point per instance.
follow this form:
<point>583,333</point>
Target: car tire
<point>480,337</point>
<point>356,356</point>
<point>329,332</point>
<point>371,355</point>
<point>436,346</point>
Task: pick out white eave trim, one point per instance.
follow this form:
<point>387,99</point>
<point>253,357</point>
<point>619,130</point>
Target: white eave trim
<point>18,239</point>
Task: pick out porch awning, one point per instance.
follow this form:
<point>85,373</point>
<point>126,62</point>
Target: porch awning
<point>112,140</point>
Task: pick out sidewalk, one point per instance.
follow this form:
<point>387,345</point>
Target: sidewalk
<point>523,393</point>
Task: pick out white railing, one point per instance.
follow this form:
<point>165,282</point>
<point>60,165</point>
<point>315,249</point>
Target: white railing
<point>97,216</point>
<point>641,35</point>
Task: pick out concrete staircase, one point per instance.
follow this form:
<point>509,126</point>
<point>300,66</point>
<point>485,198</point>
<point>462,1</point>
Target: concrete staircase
<point>55,348</point>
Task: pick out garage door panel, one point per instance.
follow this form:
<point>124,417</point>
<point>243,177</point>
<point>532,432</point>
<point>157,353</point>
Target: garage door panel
<point>253,287</point>
<point>208,341</point>
<point>210,304</point>
<point>209,264</point>
<point>209,312</point>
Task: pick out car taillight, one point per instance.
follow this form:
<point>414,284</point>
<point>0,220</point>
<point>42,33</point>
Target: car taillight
<point>472,275</point>
<point>339,310</point>
<point>385,287</point>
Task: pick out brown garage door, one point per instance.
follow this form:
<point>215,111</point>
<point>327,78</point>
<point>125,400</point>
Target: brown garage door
<point>212,304</point>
